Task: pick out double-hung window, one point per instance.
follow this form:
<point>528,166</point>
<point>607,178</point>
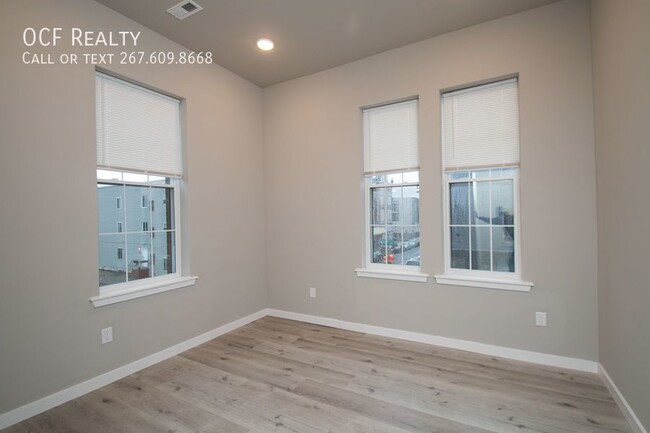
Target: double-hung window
<point>138,163</point>
<point>480,131</point>
<point>392,192</point>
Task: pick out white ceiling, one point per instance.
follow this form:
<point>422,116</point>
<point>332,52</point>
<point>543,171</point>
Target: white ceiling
<point>309,35</point>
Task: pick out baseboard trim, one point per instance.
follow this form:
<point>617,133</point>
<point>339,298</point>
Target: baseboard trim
<point>627,411</point>
<point>27,411</point>
<point>452,343</point>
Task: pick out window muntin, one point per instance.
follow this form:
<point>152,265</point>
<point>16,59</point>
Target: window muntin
<point>139,241</point>
<point>394,229</point>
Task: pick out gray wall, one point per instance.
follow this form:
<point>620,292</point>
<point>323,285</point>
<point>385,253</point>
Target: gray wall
<point>621,53</point>
<point>49,331</point>
<point>315,201</point>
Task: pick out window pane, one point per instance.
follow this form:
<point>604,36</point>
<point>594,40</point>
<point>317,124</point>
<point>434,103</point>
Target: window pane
<point>481,248</point>
<point>411,205</point>
<point>108,213</point>
<point>503,249</point>
<point>379,179</point>
<point>162,208</point>
<point>412,177</point>
<point>458,175</point>
<point>394,205</point>
<point>394,240</point>
<point>109,175</point>
<point>394,178</point>
<point>136,214</point>
<point>138,250</point>
<point>378,244</point>
<point>460,247</point>
<point>378,204</point>
<point>502,202</point>
<point>159,180</point>
<point>112,268</point>
<point>478,174</point>
<point>411,246</point>
<point>164,253</point>
<point>480,203</point>
<point>458,196</point>
<point>133,177</point>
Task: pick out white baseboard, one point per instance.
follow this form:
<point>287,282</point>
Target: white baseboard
<point>627,411</point>
<point>471,346</point>
<point>22,413</point>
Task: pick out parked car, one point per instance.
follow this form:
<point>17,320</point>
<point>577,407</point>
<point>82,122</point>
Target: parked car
<point>413,261</point>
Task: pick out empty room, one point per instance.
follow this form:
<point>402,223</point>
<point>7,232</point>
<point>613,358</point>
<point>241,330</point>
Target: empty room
<point>311,216</point>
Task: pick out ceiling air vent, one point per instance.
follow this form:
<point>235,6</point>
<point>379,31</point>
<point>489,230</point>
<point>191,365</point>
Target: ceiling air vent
<point>184,9</point>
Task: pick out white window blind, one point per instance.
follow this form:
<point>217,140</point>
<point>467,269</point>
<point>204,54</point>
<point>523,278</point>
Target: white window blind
<point>391,137</point>
<point>137,129</point>
<point>481,126</point>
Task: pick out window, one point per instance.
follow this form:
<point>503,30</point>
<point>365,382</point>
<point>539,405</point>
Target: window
<point>392,192</point>
<point>133,235</point>
<point>138,160</point>
<point>480,127</point>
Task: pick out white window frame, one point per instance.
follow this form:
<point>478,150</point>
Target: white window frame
<point>383,270</point>
<point>481,278</point>
<point>114,293</point>
<point>156,284</point>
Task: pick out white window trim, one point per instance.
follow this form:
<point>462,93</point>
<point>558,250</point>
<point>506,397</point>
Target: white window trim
<point>116,293</point>
<point>456,279</point>
<point>394,273</point>
<point>134,290</point>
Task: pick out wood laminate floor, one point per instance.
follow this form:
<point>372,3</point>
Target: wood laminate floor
<point>277,375</point>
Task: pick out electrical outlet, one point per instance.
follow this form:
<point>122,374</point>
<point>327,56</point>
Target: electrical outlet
<point>107,335</point>
<point>540,318</point>
<point>312,292</point>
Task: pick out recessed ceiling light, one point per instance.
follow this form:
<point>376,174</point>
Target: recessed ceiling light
<point>265,44</point>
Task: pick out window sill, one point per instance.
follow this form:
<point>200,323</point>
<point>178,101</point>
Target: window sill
<point>486,283</point>
<point>138,291</point>
<point>392,274</point>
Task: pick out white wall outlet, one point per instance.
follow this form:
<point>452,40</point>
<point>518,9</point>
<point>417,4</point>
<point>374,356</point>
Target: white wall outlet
<point>107,335</point>
<point>312,292</point>
<point>540,318</point>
